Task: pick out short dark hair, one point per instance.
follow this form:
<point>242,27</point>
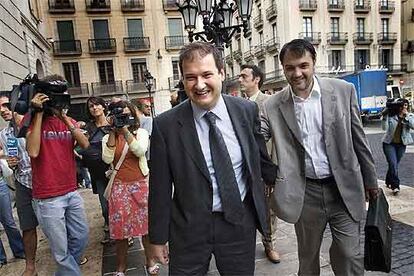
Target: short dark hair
<point>95,100</point>
<point>200,49</point>
<point>5,94</point>
<point>54,77</point>
<point>256,71</point>
<point>299,47</point>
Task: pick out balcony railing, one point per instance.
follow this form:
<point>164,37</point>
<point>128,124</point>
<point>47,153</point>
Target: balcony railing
<point>272,45</point>
<point>274,76</point>
<point>67,47</point>
<point>248,55</point>
<point>337,38</point>
<point>271,12</point>
<point>259,51</point>
<point>386,6</point>
<point>98,6</point>
<point>334,70</point>
<point>363,38</point>
<point>78,91</point>
<point>175,42</point>
<point>132,5</point>
<point>308,5</point>
<point>61,6</point>
<point>361,66</point>
<point>238,56</point>
<point>134,87</point>
<point>107,88</point>
<point>362,7</point>
<point>336,6</point>
<point>169,5</point>
<point>387,38</point>
<point>229,59</point>
<point>395,68</point>
<point>136,44</point>
<point>103,45</point>
<point>173,82</point>
<point>312,37</point>
<point>258,22</point>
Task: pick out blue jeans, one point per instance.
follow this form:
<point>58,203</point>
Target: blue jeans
<point>6,218</point>
<point>393,153</point>
<point>63,221</point>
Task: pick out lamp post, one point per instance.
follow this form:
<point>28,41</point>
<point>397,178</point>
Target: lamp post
<point>149,82</point>
<point>217,16</point>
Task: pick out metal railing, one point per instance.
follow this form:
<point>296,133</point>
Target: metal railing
<point>67,47</point>
<point>308,5</point>
<point>175,42</point>
<point>273,44</point>
<point>132,44</point>
<point>133,86</point>
<point>362,7</point>
<point>132,5</point>
<point>259,50</point>
<point>248,55</point>
<point>336,38</point>
<point>237,55</point>
<point>258,21</point>
<point>387,38</point>
<point>274,76</point>
<point>338,5</point>
<point>271,12</point>
<point>386,6</point>
<point>107,88</point>
<point>363,38</point>
<point>81,90</point>
<point>169,5</point>
<point>98,5</point>
<point>61,6</point>
<point>102,45</point>
<point>312,37</point>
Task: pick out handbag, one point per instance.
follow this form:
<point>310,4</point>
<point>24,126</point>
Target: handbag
<point>378,235</point>
<point>113,172</point>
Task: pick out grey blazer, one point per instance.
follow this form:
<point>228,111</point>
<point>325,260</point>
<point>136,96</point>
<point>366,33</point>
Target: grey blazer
<point>347,148</point>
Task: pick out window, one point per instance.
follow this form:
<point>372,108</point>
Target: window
<point>360,3</point>
<point>176,71</point>
<point>106,71</point>
<point>336,59</point>
<point>385,26</point>
<point>139,66</point>
<point>384,3</point>
<point>100,29</point>
<point>274,30</point>
<point>239,44</point>
<point>66,35</point>
<point>361,27</point>
<point>386,58</point>
<point>175,27</point>
<point>307,26</point>
<point>250,43</point>
<point>262,66</point>
<point>261,38</point>
<point>361,59</point>
<point>335,27</point>
<point>71,72</point>
<point>276,63</point>
<point>333,2</point>
<point>135,28</point>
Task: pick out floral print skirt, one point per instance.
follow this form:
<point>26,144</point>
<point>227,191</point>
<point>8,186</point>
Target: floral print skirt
<point>128,209</point>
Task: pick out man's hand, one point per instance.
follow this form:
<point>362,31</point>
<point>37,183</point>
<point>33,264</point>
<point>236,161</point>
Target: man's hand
<point>371,193</point>
<point>159,253</point>
<point>38,100</point>
<point>12,162</point>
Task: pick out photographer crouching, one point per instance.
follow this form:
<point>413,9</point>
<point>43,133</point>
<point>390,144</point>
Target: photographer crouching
<point>51,137</point>
<point>397,122</point>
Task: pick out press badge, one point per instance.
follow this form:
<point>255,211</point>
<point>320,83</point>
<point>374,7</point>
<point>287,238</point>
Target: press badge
<point>12,147</point>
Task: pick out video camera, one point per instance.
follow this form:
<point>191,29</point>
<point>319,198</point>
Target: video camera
<point>393,106</point>
<point>23,93</point>
<point>120,119</point>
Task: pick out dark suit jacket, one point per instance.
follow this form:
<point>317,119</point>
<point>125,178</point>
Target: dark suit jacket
<point>181,215</point>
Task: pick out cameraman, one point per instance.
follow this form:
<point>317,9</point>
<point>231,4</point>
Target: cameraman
<point>59,207</point>
<point>397,122</point>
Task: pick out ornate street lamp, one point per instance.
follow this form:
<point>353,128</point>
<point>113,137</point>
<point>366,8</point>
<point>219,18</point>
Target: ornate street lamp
<point>217,18</point>
<point>149,83</point>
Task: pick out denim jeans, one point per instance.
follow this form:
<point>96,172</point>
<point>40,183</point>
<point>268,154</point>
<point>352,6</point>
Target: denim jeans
<point>6,218</point>
<point>63,221</point>
<point>393,153</point>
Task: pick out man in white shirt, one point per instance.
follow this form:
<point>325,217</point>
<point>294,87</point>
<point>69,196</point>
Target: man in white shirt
<point>326,169</point>
<point>251,79</point>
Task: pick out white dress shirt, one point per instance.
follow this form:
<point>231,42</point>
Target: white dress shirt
<point>309,116</point>
<point>254,96</point>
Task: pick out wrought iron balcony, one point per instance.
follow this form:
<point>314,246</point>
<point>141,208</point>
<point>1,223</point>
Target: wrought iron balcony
<point>337,38</point>
<point>98,6</point>
<point>274,76</point>
<point>308,5</point>
<point>67,48</point>
<point>112,88</point>
<point>395,68</point>
<point>248,55</point>
<point>362,7</point>
<point>238,56</point>
<point>387,38</point>
<point>312,37</point>
<point>258,22</point>
<point>79,91</point>
<point>336,6</point>
<point>134,87</point>
<point>259,51</point>
<point>386,6</point>
<point>61,6</point>
<point>363,38</point>
<point>173,82</point>
<point>136,44</point>
<point>273,45</point>
<point>175,42</point>
<point>103,45</point>
<point>229,59</point>
<point>271,12</point>
<point>169,5</point>
<point>132,5</point>
<point>361,66</point>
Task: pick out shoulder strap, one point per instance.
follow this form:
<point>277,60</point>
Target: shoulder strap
<point>108,189</point>
<point>121,159</point>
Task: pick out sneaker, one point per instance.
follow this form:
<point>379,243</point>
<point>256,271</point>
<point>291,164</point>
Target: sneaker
<point>395,191</point>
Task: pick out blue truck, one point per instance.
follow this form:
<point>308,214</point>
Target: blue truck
<point>371,89</point>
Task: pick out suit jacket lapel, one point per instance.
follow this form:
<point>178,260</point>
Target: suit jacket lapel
<point>328,100</point>
<point>288,112</point>
<point>189,137</point>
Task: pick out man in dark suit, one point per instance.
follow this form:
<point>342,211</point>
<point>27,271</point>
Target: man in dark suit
<point>206,188</point>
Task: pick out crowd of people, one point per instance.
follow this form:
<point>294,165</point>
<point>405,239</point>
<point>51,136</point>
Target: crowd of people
<point>219,169</point>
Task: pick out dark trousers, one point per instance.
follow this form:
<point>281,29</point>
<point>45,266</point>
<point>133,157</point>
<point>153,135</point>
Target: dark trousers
<point>233,247</point>
<point>393,153</point>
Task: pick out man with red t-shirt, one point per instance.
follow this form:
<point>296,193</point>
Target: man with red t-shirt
<point>58,206</point>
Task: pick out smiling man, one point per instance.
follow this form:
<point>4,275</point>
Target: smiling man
<point>326,169</point>
<point>207,153</point>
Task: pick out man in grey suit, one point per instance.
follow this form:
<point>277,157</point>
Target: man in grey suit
<point>325,166</point>
<point>208,161</point>
<point>251,79</point>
